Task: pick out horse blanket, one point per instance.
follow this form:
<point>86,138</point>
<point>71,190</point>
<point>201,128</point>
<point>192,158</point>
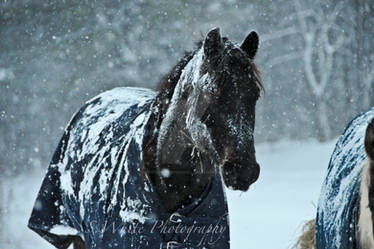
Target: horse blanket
<point>337,213</point>
<point>94,187</point>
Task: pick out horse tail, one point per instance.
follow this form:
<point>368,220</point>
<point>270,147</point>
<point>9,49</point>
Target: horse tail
<point>369,142</point>
<point>307,239</point>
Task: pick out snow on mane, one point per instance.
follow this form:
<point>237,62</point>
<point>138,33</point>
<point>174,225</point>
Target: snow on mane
<point>191,80</point>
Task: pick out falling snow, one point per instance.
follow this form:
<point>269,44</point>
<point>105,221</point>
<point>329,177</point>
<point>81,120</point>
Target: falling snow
<point>316,59</point>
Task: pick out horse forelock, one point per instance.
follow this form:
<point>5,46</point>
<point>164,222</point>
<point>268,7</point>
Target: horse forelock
<point>254,72</point>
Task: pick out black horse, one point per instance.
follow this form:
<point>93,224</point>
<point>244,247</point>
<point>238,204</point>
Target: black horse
<point>139,169</point>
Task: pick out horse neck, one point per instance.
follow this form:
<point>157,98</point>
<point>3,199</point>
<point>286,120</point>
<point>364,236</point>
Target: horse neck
<point>180,171</point>
<point>176,167</point>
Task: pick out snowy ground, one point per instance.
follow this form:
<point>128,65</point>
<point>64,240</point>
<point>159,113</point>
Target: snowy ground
<point>269,216</point>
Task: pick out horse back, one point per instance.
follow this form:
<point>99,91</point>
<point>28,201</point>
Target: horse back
<point>81,181</point>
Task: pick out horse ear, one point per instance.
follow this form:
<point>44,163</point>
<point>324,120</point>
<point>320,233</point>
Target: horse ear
<point>213,42</point>
<point>250,44</point>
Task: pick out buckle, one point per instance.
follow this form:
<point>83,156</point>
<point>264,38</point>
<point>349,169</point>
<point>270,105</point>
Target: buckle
<point>173,244</point>
<point>176,218</point>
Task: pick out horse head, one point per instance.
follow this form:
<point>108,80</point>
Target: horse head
<point>213,105</point>
<point>231,98</point>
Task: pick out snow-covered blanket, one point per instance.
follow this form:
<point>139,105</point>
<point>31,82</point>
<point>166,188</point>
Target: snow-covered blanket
<point>94,187</point>
<point>337,214</point>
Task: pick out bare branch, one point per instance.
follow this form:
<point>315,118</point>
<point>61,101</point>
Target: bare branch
<point>279,34</point>
<point>284,58</point>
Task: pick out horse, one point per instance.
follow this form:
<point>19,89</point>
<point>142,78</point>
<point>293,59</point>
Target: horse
<point>346,203</point>
<point>137,168</point>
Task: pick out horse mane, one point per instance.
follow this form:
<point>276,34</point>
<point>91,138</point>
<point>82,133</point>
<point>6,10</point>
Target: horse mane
<point>165,88</point>
<point>167,84</point>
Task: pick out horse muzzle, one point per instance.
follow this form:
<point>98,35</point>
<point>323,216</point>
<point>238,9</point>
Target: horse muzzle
<point>239,175</point>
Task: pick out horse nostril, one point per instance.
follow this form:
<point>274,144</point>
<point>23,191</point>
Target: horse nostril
<point>240,175</point>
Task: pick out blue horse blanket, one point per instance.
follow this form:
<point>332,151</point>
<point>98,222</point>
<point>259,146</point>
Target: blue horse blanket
<point>337,212</point>
<point>94,187</point>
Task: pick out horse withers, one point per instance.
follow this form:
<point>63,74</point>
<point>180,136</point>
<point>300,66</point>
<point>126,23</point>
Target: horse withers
<point>142,169</point>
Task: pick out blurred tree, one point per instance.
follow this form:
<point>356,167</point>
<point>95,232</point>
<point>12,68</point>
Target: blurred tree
<point>318,58</point>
